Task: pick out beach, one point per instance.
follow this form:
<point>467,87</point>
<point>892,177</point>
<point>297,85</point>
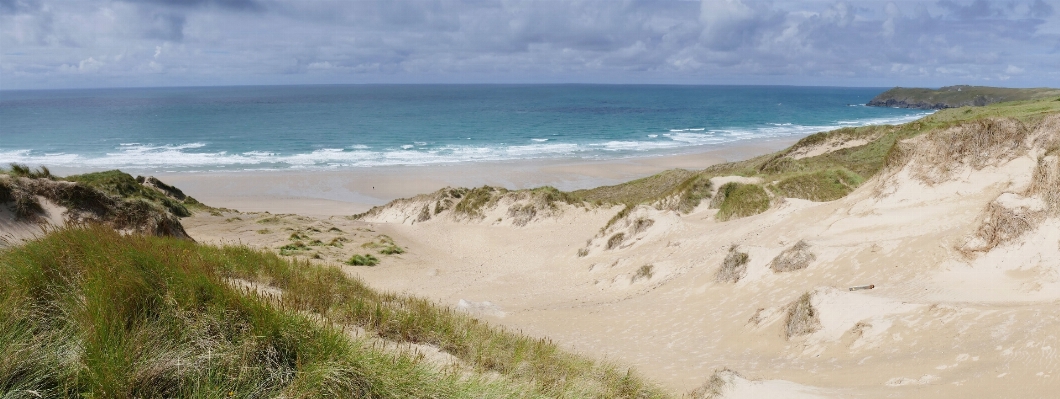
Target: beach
<point>355,190</point>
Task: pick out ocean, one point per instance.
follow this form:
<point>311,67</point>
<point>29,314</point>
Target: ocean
<point>200,129</point>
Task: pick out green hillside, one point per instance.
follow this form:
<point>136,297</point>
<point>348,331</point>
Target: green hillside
<point>956,96</point>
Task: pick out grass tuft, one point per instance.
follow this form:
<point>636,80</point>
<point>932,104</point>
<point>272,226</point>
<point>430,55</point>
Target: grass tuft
<point>715,386</point>
<point>363,260</point>
<point>643,273</point>
<point>734,267</point>
<point>615,240</point>
<point>802,317</point>
<point>741,200</point>
<point>797,257</point>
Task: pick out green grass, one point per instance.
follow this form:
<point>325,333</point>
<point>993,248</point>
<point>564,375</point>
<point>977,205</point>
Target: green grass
<point>473,201</point>
<point>824,185</point>
<point>385,245</point>
<point>742,200</point>
<point>637,191</point>
<point>121,184</point>
<point>88,312</point>
<point>956,96</point>
<point>363,260</point>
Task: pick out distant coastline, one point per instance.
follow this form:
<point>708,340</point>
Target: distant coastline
<point>956,96</point>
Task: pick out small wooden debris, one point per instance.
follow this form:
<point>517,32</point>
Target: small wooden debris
<point>863,287</point>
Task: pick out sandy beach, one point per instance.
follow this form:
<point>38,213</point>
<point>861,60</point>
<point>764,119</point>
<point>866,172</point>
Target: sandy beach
<point>355,190</point>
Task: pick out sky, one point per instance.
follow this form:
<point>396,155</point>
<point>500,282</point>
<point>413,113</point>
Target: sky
<point>48,44</point>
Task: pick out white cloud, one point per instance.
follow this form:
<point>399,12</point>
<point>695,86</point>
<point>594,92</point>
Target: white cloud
<point>322,41</point>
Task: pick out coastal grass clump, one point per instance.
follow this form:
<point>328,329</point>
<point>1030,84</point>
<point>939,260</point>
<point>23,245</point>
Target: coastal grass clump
<point>797,257</point>
<point>476,200</point>
<point>293,248</point>
<point>645,190</point>
<point>802,318</point>
<point>384,245</point>
<point>741,200</point>
<point>616,240</point>
<point>715,386</point>
<point>21,170</point>
<point>734,267</point>
<point>823,185</point>
<point>1001,224</point>
<point>363,260</point>
<point>975,144</point>
<point>644,272</point>
<point>85,204</point>
<point>19,200</point>
<point>123,185</point>
<point>92,313</point>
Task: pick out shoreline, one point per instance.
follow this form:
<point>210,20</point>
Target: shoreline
<point>352,191</point>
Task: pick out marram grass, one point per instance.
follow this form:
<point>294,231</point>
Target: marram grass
<point>91,313</point>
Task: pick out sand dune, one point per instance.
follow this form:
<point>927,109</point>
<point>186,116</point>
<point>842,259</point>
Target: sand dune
<point>957,309</point>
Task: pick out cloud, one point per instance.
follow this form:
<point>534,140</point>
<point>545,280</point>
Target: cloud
<point>194,42</point>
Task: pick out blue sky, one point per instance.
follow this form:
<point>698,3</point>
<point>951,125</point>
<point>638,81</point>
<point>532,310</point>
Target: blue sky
<point>118,43</point>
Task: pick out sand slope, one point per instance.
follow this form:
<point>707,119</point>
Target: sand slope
<point>958,309</point>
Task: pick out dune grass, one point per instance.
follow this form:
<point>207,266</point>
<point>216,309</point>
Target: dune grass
<point>89,312</point>
<point>802,318</point>
<point>121,184</point>
<point>742,200</point>
<point>797,257</point>
<point>734,267</point>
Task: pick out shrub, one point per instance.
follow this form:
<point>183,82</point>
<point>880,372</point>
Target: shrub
<point>615,240</point>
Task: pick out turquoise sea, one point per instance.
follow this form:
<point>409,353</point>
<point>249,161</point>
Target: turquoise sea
<point>358,126</point>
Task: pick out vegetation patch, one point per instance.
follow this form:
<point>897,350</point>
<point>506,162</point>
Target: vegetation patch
<point>643,273</point>
<point>22,202</point>
<point>91,313</point>
<point>742,200</point>
<point>641,225</point>
<point>123,185</point>
<point>615,240</point>
<point>85,204</point>
<point>293,248</point>
<point>363,260</point>
<point>715,387</point>
<point>475,200</point>
<point>734,267</point>
<point>823,185</point>
<point>802,317</point>
<point>385,245</point>
<point>977,144</point>
<point>797,257</point>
